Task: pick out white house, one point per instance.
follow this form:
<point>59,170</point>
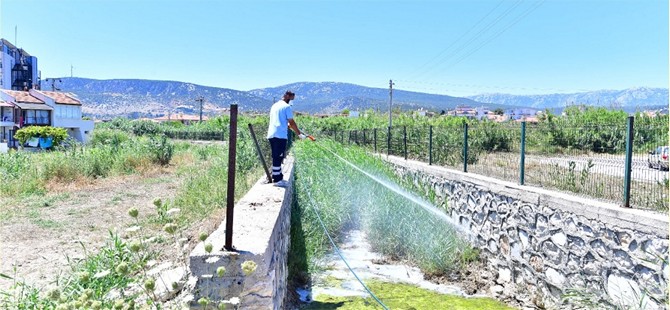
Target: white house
<point>67,113</point>
<point>41,108</point>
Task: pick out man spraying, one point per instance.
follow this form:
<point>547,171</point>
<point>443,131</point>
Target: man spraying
<point>281,119</point>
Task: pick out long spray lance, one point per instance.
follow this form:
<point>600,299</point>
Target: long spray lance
<point>306,136</point>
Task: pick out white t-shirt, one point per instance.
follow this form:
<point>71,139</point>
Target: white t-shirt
<point>280,113</point>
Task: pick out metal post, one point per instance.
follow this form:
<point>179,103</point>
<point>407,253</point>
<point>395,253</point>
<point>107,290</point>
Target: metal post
<point>404,140</point>
<point>430,145</point>
<point>522,164</point>
<point>629,161</point>
<point>465,146</point>
<point>390,102</point>
<point>260,153</point>
<point>388,142</point>
<point>375,137</point>
<point>230,195</point>
<point>200,99</point>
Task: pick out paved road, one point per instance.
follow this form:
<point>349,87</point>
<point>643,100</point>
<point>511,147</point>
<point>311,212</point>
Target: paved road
<point>611,165</point>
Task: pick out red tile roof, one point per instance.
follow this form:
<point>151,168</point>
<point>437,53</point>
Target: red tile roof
<point>61,98</point>
<point>22,96</point>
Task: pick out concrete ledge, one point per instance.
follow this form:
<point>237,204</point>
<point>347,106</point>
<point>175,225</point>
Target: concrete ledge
<point>642,220</point>
<point>261,230</point>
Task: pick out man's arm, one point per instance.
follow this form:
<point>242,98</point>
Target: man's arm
<point>293,126</point>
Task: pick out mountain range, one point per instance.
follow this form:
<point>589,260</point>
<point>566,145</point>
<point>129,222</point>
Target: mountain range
<point>150,98</point>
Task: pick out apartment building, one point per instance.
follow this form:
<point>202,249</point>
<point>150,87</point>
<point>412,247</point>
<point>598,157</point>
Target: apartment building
<point>22,103</point>
<point>18,69</point>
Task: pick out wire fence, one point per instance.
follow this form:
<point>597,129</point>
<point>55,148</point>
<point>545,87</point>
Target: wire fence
<point>589,160</point>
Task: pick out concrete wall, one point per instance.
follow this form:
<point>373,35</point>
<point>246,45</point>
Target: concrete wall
<point>261,233</point>
<point>542,244</point>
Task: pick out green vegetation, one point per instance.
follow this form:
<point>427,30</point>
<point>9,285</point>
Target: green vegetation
<point>116,275</point>
<point>57,134</point>
<point>403,296</point>
<point>346,199</point>
<point>588,136</point>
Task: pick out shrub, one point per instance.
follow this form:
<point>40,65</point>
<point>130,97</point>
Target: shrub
<point>161,149</point>
<point>57,134</point>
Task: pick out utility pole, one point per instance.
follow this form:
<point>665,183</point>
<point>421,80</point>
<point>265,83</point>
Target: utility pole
<point>390,101</point>
<point>200,99</point>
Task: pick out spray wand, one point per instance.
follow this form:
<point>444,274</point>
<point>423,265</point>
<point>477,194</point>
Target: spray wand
<point>308,136</point>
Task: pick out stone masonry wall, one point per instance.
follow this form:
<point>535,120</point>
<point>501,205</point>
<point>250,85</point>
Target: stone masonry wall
<point>261,233</point>
<point>543,244</point>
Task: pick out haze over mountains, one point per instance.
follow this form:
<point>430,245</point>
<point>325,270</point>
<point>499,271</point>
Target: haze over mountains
<point>151,98</point>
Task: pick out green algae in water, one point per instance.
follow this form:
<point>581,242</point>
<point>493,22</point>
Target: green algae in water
<point>403,296</point>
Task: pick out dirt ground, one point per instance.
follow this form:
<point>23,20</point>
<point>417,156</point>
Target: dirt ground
<point>39,234</point>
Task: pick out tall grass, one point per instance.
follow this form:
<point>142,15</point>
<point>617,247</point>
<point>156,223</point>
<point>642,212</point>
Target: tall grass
<point>345,198</point>
<point>109,153</point>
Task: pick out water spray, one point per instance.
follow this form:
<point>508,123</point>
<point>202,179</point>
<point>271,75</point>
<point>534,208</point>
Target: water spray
<point>400,191</point>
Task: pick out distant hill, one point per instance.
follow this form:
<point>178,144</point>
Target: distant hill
<point>630,100</point>
<point>138,98</point>
<point>150,98</point>
<point>332,97</point>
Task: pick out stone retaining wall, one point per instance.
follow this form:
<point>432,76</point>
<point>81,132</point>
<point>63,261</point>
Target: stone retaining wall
<point>261,234</point>
<point>544,244</point>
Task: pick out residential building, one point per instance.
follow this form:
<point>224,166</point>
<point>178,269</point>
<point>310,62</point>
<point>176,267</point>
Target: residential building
<point>185,119</point>
<point>41,108</point>
<point>66,113</point>
<point>18,69</point>
<point>469,112</point>
<point>520,113</point>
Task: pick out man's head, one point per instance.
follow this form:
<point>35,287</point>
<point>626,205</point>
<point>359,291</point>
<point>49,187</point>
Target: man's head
<point>288,96</point>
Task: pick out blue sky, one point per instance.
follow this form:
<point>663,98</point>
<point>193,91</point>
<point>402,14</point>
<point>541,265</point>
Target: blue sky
<point>452,47</point>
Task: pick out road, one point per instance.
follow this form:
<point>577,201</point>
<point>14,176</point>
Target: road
<point>612,165</point>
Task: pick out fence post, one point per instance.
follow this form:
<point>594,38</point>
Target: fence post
<point>430,145</point>
<point>404,140</point>
<point>465,146</point>
<point>522,164</point>
<point>375,136</point>
<point>230,195</point>
<point>388,142</point>
<point>629,161</point>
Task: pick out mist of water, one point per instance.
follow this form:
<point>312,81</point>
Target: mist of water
<point>409,196</point>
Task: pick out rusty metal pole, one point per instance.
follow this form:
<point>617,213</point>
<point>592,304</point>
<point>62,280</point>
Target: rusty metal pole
<point>230,195</point>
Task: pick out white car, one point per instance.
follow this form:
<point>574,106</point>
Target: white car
<point>658,158</point>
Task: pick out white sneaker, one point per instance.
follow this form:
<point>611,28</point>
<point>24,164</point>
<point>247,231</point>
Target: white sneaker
<point>281,183</point>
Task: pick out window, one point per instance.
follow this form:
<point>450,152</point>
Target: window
<point>42,117</point>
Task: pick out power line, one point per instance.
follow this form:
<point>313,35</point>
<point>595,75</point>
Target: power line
<point>478,44</point>
<point>444,86</point>
<point>459,38</point>
<point>519,18</point>
<point>476,36</point>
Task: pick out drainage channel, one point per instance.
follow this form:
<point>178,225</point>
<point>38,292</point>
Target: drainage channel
<point>355,277</point>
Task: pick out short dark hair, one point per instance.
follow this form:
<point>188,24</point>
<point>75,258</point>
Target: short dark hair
<point>289,93</point>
